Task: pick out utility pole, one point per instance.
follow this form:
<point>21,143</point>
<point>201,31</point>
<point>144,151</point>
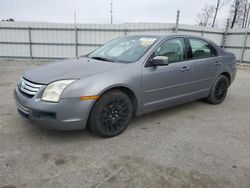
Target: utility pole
<point>111,12</point>
<point>177,21</point>
<point>75,18</point>
<point>76,43</point>
<point>244,16</point>
<point>225,34</point>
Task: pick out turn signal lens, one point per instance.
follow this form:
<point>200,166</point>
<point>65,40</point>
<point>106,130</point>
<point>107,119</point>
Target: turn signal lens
<point>84,98</point>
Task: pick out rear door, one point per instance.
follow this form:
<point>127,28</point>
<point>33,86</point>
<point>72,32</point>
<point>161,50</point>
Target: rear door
<point>206,64</point>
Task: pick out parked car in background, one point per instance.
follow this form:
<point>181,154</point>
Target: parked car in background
<point>129,76</point>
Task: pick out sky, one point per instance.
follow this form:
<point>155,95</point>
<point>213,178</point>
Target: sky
<point>98,11</point>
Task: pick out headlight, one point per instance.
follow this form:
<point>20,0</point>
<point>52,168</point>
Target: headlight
<point>54,90</point>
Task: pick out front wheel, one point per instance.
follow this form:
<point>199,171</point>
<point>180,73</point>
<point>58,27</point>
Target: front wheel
<point>111,114</point>
<point>219,90</point>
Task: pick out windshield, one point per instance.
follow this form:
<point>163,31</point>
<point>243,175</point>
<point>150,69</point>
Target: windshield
<point>125,50</point>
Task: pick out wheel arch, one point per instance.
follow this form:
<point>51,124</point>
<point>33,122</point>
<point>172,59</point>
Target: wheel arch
<point>227,75</point>
<point>123,89</point>
<point>129,92</point>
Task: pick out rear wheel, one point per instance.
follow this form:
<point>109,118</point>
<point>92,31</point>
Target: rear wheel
<point>111,114</point>
<point>219,90</point>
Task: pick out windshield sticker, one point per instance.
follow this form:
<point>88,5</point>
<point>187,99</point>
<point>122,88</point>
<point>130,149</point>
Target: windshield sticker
<point>147,41</point>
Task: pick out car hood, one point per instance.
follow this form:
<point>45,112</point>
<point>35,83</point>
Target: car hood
<point>69,69</point>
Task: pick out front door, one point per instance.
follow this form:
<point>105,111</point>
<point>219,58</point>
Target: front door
<point>163,85</point>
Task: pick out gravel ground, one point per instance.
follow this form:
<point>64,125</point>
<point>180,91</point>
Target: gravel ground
<point>193,145</point>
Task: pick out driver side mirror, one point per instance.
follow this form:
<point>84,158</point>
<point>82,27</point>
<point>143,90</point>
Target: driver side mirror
<point>160,61</point>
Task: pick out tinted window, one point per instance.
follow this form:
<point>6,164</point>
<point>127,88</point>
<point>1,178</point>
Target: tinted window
<point>201,49</point>
<point>174,49</point>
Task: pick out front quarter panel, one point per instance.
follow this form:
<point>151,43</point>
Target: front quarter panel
<point>129,76</point>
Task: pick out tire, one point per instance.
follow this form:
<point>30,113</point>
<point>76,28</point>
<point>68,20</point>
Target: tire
<point>219,90</point>
<point>111,114</point>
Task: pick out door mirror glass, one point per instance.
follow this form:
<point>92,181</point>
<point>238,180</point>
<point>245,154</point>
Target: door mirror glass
<point>160,61</point>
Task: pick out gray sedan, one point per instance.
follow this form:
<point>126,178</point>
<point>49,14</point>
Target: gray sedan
<point>129,76</point>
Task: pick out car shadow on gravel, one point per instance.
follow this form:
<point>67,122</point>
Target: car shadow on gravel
<point>171,111</point>
<point>153,117</point>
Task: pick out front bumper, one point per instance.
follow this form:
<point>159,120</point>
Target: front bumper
<point>67,114</point>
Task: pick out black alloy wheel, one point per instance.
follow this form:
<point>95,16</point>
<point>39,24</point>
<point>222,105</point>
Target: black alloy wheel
<point>111,114</point>
<point>219,90</point>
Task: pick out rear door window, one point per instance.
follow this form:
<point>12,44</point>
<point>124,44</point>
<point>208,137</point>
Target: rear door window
<point>201,49</point>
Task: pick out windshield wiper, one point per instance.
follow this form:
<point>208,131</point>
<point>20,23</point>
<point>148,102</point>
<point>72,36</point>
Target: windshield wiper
<point>101,58</point>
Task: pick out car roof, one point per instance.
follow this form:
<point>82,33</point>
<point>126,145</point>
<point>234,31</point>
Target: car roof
<point>164,35</point>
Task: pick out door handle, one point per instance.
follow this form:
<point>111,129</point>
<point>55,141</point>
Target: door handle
<point>184,69</point>
<point>217,63</point>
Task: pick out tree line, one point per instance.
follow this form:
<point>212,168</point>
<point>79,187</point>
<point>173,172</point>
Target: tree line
<point>238,15</point>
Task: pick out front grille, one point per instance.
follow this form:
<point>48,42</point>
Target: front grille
<point>27,87</point>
